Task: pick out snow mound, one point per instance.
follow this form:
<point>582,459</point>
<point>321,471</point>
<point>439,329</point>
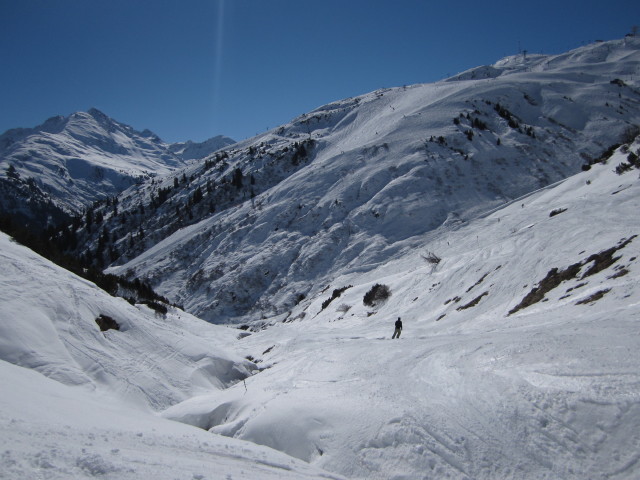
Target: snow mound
<point>50,430</point>
<point>48,322</point>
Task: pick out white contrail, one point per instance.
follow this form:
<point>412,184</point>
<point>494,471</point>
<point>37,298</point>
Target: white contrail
<point>217,74</point>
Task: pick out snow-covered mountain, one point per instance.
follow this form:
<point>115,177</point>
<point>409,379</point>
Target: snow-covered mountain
<point>254,231</point>
<point>495,212</point>
<point>518,359</point>
<point>195,150</point>
<point>72,162</point>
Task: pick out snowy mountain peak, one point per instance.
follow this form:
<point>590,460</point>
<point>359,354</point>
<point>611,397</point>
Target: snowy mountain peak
<point>71,162</point>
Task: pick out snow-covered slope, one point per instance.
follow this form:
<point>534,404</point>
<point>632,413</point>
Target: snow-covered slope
<point>273,220</point>
<point>194,150</point>
<point>49,323</point>
<point>480,385</point>
<point>79,403</point>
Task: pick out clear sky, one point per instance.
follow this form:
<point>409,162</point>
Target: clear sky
<point>192,69</point>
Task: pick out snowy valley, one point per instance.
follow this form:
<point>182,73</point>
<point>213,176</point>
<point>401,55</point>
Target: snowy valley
<point>495,212</point>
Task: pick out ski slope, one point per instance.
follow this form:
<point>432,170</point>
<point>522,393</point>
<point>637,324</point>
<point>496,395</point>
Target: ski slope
<point>548,392</point>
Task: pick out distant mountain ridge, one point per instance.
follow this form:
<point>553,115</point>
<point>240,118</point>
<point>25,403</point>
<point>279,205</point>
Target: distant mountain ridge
<point>76,160</point>
<point>195,150</point>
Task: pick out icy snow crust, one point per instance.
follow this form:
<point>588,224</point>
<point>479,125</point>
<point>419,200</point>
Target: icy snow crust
<point>386,170</point>
<point>468,391</point>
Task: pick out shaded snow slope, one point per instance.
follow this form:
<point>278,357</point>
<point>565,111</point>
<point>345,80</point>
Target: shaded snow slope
<point>470,390</point>
<point>360,181</point>
<point>48,323</point>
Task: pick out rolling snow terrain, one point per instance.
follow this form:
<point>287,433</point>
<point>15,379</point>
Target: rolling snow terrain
<point>78,403</point>
<point>495,213</point>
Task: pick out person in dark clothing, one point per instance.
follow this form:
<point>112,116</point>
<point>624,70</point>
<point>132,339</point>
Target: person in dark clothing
<point>398,330</point>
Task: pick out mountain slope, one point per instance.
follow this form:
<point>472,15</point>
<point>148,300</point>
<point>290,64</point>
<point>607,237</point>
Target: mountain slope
<point>271,221</point>
<point>518,359</point>
<point>475,387</point>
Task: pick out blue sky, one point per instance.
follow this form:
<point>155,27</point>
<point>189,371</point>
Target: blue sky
<point>192,69</point>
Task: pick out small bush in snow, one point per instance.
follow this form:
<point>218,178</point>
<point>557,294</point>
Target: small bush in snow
<point>633,162</point>
<point>557,211</point>
<point>344,308</point>
<point>336,293</point>
<point>432,258</point>
<point>377,294</point>
<point>105,322</point>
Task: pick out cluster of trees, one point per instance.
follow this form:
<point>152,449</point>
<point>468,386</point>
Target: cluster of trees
<point>52,244</point>
<point>632,162</point>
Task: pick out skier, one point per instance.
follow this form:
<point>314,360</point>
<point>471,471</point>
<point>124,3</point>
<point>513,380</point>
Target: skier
<point>398,330</point>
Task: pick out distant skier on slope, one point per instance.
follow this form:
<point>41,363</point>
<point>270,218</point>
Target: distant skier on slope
<point>398,330</point>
